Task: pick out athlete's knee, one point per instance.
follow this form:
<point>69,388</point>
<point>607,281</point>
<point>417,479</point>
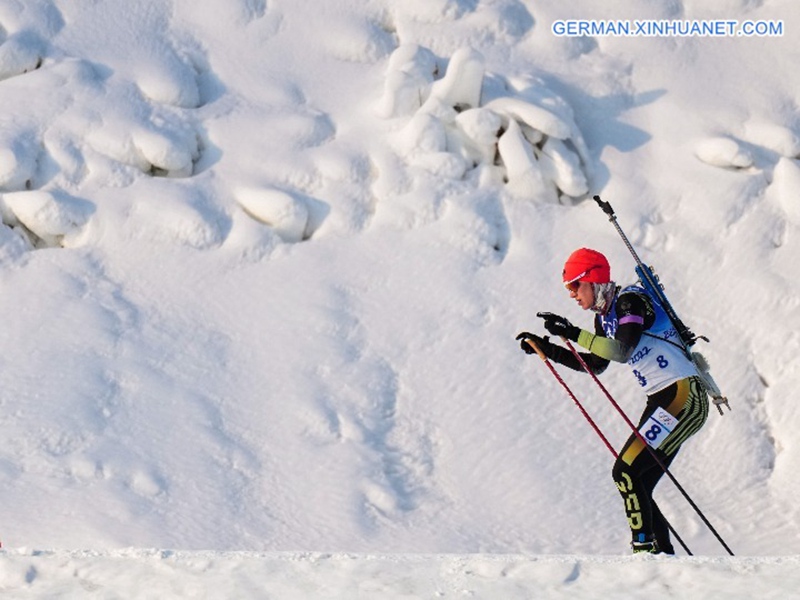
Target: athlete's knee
<point>616,470</point>
<point>621,475</point>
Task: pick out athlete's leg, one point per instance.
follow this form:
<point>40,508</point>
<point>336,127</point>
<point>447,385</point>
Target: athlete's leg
<point>635,481</point>
<point>661,531</point>
<point>637,470</point>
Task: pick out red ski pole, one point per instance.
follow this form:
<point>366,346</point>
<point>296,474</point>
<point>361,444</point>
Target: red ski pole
<point>594,425</point>
<point>577,402</point>
<point>646,445</point>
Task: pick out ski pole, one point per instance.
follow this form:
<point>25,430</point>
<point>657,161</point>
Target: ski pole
<point>652,451</point>
<point>594,425</point>
<point>577,402</point>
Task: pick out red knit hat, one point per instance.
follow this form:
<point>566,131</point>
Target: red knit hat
<point>586,265</point>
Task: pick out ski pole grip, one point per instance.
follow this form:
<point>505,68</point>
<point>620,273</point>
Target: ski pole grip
<point>538,350</point>
<point>606,206</point>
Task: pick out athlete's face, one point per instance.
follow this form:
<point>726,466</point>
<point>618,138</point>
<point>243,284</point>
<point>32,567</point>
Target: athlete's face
<point>582,293</point>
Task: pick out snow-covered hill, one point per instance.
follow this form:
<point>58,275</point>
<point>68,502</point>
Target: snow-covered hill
<point>263,263</point>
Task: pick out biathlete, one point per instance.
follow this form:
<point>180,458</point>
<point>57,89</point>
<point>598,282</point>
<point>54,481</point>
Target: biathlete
<point>632,327</point>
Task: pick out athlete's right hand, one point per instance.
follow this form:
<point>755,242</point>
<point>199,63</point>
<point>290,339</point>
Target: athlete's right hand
<point>543,343</point>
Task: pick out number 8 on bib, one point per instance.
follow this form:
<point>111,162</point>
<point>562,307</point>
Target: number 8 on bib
<point>656,429</point>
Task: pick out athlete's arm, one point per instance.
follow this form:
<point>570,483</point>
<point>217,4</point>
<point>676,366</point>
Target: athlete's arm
<point>563,356</point>
<point>635,315</point>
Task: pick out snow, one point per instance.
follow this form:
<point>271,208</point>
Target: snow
<point>53,218</point>
<point>723,152</point>
<point>157,573</point>
<point>263,263</point>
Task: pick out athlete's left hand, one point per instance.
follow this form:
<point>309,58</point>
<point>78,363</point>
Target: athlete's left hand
<point>558,325</point>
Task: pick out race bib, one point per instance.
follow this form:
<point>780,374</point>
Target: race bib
<point>658,427</point>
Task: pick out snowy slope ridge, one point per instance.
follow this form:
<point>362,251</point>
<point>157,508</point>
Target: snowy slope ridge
<point>262,264</point>
<point>298,576</point>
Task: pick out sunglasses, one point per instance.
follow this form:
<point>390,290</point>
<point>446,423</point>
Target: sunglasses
<point>573,284</point>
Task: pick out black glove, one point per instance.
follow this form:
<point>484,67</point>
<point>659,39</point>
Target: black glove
<point>557,325</point>
<point>543,343</point>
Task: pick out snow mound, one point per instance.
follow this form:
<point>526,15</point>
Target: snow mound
<point>169,81</point>
<point>286,214</point>
<point>455,129</point>
<point>166,153</point>
<point>535,117</point>
<point>411,72</point>
<point>19,154</point>
<point>53,219</point>
<point>20,53</point>
<point>525,176</point>
<point>773,136</point>
<point>358,40</point>
<point>460,88</point>
<point>723,152</point>
<point>785,186</point>
<point>181,215</point>
<point>85,128</point>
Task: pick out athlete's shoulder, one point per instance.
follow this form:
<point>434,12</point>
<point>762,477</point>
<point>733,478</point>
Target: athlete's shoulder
<point>634,300</point>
